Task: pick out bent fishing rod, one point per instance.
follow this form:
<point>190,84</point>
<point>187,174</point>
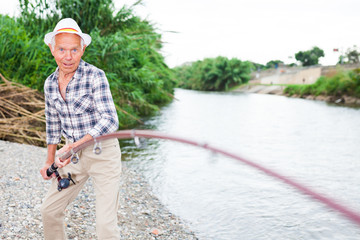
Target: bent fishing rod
<point>136,134</point>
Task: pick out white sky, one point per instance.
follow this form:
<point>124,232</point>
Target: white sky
<point>255,30</point>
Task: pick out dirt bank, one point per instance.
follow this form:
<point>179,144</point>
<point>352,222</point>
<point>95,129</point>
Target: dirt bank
<point>343,100</point>
<point>263,89</point>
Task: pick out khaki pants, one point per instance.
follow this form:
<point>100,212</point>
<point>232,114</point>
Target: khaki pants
<point>105,170</point>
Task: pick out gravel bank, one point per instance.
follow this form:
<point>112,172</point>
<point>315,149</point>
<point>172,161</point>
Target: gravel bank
<point>141,214</point>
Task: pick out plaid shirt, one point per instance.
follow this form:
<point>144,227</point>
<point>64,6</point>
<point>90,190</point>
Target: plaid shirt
<point>88,109</point>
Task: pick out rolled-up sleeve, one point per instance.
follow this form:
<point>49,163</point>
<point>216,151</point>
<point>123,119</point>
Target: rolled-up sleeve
<point>104,105</point>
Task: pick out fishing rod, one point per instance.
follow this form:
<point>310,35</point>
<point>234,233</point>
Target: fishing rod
<point>136,134</point>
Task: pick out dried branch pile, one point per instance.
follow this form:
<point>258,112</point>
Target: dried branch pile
<point>22,117</point>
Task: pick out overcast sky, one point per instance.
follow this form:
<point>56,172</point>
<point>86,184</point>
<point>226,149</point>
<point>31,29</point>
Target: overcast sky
<point>255,30</point>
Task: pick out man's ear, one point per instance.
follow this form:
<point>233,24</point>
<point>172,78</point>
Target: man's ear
<point>51,49</point>
<point>84,48</point>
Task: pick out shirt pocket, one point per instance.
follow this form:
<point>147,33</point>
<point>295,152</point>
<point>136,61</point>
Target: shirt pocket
<point>83,104</point>
<point>58,106</point>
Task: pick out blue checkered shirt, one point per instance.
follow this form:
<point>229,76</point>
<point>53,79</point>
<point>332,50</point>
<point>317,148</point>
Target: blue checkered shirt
<point>89,107</point>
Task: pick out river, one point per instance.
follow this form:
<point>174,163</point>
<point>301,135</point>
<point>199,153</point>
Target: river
<point>312,142</point>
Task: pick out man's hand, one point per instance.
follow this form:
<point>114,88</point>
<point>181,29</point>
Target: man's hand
<point>53,155</point>
<point>43,172</point>
<point>62,163</point>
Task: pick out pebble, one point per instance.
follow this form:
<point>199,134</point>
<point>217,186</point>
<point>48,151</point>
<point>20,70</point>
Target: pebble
<point>141,215</point>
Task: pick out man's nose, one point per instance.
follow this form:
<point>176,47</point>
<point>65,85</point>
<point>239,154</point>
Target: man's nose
<point>68,55</point>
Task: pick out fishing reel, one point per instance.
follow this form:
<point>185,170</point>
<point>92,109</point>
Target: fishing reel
<point>62,182</point>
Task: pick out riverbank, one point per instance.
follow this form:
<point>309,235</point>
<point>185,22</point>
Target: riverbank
<point>263,89</point>
<point>279,90</point>
<point>141,214</point>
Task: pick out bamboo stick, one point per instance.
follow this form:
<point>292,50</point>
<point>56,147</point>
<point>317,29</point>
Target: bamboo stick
<point>132,116</point>
<point>27,137</point>
<point>22,114</point>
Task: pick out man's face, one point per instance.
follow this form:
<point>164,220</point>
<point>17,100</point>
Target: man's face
<point>67,52</point>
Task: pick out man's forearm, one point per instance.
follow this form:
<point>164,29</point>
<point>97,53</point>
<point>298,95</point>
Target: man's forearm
<point>51,150</point>
<point>86,138</point>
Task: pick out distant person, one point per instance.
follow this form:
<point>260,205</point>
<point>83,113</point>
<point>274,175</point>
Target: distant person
<point>79,106</point>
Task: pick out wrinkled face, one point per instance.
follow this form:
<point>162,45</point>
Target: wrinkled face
<point>67,52</point>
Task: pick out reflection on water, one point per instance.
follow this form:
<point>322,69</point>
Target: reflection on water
<point>309,141</point>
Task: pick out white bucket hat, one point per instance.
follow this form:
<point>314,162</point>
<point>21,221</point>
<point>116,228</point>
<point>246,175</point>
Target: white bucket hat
<point>67,25</point>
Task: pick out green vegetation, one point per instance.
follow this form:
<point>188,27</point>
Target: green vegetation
<point>351,56</point>
<point>274,64</point>
<point>213,74</point>
<point>123,45</point>
<point>310,57</point>
<point>343,83</point>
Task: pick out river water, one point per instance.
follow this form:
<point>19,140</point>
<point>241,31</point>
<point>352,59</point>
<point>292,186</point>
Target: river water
<point>312,142</point>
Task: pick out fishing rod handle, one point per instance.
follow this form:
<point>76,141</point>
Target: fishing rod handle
<point>51,169</point>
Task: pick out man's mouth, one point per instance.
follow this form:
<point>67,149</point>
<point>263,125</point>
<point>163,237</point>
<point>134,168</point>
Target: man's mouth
<point>68,64</point>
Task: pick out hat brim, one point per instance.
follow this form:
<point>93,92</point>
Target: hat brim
<point>86,37</point>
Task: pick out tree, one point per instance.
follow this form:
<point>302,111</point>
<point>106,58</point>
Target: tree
<point>310,57</point>
<point>213,74</point>
<point>274,63</point>
<point>257,66</point>
<point>351,56</point>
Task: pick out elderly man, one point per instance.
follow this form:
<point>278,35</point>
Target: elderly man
<point>79,106</point>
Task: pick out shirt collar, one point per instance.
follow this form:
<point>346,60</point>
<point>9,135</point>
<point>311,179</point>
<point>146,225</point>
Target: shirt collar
<point>56,74</point>
<point>80,69</point>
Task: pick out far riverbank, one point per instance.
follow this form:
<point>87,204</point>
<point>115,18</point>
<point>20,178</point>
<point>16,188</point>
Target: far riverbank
<point>279,90</point>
